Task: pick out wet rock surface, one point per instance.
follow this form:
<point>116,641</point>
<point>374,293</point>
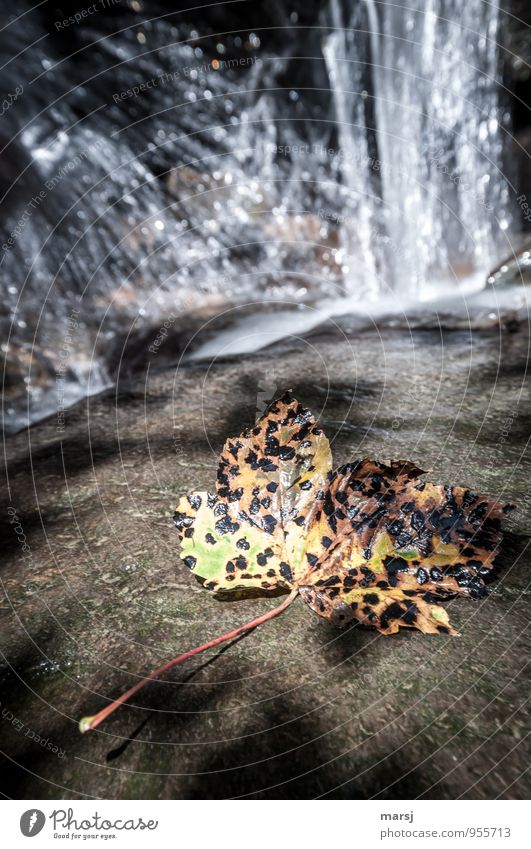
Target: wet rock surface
<point>297,709</point>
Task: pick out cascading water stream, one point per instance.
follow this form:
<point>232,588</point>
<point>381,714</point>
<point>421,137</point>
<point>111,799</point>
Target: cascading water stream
<point>354,161</point>
<point>346,55</point>
<point>435,82</point>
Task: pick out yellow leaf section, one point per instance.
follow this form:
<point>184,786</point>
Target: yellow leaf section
<point>304,544</point>
<point>317,461</point>
<point>226,553</point>
<point>348,554</point>
<point>276,473</point>
<point>443,554</point>
<point>386,610</point>
<point>394,609</point>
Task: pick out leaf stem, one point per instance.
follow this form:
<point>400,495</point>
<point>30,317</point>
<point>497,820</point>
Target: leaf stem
<point>90,722</point>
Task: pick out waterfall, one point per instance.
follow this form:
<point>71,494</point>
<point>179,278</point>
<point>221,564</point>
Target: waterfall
<point>428,74</point>
<point>346,55</point>
<point>153,172</point>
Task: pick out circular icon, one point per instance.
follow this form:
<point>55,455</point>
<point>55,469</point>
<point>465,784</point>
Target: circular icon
<point>31,822</point>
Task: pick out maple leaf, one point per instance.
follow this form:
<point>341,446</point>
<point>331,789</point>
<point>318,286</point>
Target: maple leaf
<point>368,542</point>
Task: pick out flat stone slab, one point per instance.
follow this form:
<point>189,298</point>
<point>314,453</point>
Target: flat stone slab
<point>95,595</point>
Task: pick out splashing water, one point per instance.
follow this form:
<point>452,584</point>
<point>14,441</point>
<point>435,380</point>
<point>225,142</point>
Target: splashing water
<point>431,200</point>
<point>241,174</point>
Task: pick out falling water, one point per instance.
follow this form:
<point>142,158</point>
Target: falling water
<point>422,80</point>
<point>244,174</point>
